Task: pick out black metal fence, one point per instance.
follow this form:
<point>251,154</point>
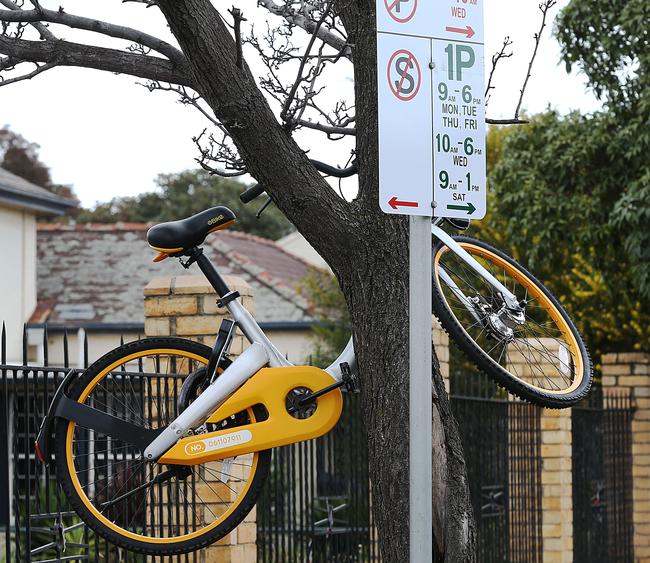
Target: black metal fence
<point>38,524</point>
<point>317,505</point>
<point>602,479</point>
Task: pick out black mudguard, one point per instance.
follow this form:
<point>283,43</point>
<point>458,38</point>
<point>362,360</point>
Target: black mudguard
<point>45,439</point>
<point>87,417</point>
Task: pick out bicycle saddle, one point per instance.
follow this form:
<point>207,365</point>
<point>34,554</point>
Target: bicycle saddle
<point>175,237</point>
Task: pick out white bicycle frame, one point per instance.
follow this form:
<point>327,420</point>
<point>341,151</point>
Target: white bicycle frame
<point>262,353</point>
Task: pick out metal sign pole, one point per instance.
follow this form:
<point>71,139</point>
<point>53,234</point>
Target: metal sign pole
<point>431,115</point>
<point>420,349</point>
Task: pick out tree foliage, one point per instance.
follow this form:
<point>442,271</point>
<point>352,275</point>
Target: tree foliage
<point>554,188</point>
<point>20,157</point>
<point>571,195</point>
<point>610,43</point>
<point>183,194</point>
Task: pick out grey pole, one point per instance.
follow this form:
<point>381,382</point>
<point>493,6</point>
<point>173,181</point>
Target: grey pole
<point>420,348</point>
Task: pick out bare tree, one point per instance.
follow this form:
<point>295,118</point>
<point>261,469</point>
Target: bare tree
<point>365,248</point>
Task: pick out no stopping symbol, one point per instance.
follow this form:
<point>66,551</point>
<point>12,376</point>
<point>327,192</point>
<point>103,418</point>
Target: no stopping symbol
<point>401,11</point>
<point>404,75</point>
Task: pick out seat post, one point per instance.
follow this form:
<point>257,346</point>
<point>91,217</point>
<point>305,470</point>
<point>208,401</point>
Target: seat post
<point>210,272</point>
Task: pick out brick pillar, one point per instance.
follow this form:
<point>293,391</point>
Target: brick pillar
<point>185,306</point>
<point>556,438</point>
<point>630,373</point>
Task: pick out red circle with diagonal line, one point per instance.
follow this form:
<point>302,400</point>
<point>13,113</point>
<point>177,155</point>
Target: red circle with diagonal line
<point>400,75</point>
<point>392,5</point>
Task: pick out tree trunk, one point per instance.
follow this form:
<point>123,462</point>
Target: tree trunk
<point>367,250</point>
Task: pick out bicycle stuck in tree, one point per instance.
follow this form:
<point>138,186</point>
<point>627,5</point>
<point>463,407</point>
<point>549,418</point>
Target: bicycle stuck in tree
<point>209,454</point>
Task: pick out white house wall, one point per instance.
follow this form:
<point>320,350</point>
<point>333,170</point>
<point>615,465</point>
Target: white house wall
<point>17,274</point>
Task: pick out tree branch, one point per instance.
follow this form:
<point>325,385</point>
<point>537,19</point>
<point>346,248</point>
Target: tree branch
<point>329,129</point>
<point>64,53</point>
<point>238,18</point>
<point>544,7</point>
<point>39,69</point>
<point>42,30</point>
<point>89,24</point>
<point>294,17</point>
<point>495,61</point>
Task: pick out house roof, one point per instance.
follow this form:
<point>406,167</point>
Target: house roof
<point>18,192</point>
<point>93,275</point>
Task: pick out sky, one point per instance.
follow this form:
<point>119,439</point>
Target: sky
<point>108,136</point>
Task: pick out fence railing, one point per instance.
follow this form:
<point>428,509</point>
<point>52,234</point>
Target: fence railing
<point>602,479</point>
<point>317,504</point>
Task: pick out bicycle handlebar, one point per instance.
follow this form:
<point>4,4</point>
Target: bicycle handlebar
<point>251,193</point>
<point>255,191</point>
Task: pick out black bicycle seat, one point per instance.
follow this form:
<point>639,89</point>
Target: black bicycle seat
<point>176,237</point>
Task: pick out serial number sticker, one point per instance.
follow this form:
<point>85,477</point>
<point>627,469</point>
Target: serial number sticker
<point>219,442</point>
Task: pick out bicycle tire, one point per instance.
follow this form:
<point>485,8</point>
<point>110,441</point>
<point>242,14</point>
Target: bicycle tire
<point>514,383</point>
<point>84,506</point>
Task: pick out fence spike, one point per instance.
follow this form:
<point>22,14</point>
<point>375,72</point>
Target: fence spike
<point>66,357</point>
<point>3,345</point>
<point>45,347</point>
<point>25,347</point>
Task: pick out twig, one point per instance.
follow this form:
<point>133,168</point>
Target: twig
<point>515,121</point>
<point>238,18</point>
<point>495,61</point>
<point>329,129</point>
<point>544,8</point>
<point>301,68</point>
<point>39,69</point>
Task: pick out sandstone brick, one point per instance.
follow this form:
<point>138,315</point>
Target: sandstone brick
<point>609,359</point>
<point>610,381</point>
<point>551,531</point>
<point>252,515</point>
<point>195,285</point>
<point>158,286</point>
<point>641,369</point>
<point>209,306</point>
<point>250,553</point>
<point>247,533</point>
<point>157,327</point>
<point>197,325</point>
<point>634,357</point>
<point>617,369</point>
<point>170,307</point>
<point>634,381</point>
<point>217,554</point>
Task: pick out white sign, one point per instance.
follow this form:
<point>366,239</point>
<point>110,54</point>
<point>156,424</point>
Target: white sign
<point>431,107</point>
<point>459,130</point>
<point>405,125</point>
<point>456,20</point>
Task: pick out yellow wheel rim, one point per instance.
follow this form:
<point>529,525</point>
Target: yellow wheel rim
<point>70,457</point>
<point>569,341</point>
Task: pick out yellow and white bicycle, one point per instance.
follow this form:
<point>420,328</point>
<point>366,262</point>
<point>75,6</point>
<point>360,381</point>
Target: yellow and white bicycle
<point>166,472</point>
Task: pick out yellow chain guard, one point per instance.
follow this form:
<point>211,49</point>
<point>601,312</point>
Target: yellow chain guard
<point>268,387</point>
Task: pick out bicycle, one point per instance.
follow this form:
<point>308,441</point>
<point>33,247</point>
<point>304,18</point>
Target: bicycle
<point>209,449</point>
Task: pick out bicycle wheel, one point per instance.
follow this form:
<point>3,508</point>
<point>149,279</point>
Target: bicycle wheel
<point>137,504</point>
<point>538,356</point>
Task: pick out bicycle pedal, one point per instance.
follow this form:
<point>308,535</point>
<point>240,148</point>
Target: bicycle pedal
<point>350,380</point>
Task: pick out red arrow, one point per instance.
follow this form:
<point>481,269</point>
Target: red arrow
<point>395,203</point>
<point>469,31</point>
